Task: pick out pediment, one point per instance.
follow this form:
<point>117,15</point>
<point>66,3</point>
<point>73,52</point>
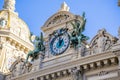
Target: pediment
<point>59,18</point>
<point>103,41</point>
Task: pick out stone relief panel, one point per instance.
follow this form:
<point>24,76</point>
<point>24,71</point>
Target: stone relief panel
<point>20,67</point>
<point>11,55</point>
<point>58,19</point>
<point>103,75</point>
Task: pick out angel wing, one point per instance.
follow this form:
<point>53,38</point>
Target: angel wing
<point>41,37</point>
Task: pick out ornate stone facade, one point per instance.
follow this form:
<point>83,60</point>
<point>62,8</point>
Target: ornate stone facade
<point>97,60</point>
<point>14,37</point>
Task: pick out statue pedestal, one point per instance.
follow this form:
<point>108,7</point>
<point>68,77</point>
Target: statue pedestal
<point>37,64</point>
<point>74,53</point>
<point>78,52</point>
<point>81,51</point>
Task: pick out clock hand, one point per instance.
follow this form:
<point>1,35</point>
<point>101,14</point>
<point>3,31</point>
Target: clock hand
<point>60,42</point>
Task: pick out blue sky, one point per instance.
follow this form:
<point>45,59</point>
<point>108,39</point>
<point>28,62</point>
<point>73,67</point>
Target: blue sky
<point>99,13</point>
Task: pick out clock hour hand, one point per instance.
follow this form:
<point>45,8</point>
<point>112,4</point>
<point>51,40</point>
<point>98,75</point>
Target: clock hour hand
<point>60,42</point>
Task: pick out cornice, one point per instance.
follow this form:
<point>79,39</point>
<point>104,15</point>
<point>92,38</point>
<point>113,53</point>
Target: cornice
<point>12,38</point>
<point>85,62</point>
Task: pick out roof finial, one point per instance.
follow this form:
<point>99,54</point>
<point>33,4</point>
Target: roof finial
<point>9,5</point>
<point>64,7</point>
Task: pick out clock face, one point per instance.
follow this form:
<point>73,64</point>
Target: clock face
<point>59,44</point>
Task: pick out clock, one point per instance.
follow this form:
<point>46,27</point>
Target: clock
<point>59,44</point>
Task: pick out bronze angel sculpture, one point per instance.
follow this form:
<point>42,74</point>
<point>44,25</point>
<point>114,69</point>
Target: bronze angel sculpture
<point>76,36</point>
<point>39,46</point>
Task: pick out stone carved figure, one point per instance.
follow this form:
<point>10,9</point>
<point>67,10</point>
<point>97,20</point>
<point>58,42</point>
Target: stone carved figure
<point>8,77</point>
<point>76,74</point>
<point>18,69</point>
<point>101,42</point>
<point>76,36</point>
<point>95,49</point>
<point>39,46</point>
<point>27,68</point>
<point>108,45</point>
<point>9,4</point>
